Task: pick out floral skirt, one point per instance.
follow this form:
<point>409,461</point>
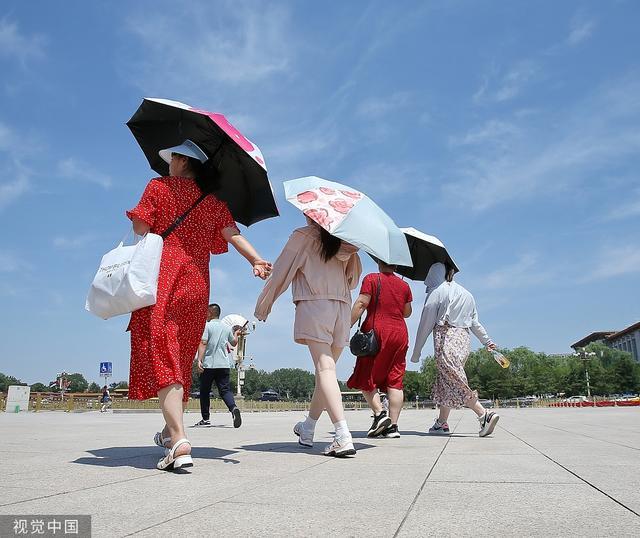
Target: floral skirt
<point>452,346</point>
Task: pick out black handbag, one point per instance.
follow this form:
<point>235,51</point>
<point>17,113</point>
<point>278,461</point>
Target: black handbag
<point>366,344</point>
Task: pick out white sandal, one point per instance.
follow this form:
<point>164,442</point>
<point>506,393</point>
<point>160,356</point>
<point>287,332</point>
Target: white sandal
<point>171,462</point>
<point>161,441</point>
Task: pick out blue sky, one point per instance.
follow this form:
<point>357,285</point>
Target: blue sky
<point>508,129</point>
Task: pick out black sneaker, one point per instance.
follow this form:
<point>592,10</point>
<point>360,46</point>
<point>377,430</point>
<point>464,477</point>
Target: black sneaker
<point>380,423</point>
<point>488,422</point>
<point>439,429</point>
<point>203,422</point>
<point>391,432</point>
<point>237,419</point>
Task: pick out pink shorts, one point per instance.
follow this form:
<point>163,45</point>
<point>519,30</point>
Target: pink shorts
<point>322,320</point>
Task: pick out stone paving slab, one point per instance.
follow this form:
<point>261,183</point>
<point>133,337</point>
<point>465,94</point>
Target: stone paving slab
<point>544,472</point>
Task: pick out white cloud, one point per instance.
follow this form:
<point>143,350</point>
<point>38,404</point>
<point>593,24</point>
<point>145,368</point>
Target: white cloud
<point>613,261</point>
<point>12,190</point>
<point>72,243</point>
<point>11,167</point>
<point>15,45</point>
<point>627,208</point>
<point>376,107</point>
<point>516,79</point>
<point>570,147</point>
<point>80,171</point>
<point>509,84</point>
<point>494,131</point>
<point>11,263</point>
<point>526,271</point>
<point>380,180</point>
<point>581,29</point>
<point>210,43</point>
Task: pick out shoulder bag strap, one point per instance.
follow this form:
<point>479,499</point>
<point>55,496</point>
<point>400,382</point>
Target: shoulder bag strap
<point>179,220</point>
<point>373,319</point>
<point>375,309</point>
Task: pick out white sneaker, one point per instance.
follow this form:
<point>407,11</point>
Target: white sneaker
<point>341,447</point>
<point>305,438</point>
<point>488,423</point>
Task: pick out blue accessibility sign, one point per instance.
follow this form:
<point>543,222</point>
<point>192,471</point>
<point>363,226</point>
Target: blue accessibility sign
<point>106,368</point>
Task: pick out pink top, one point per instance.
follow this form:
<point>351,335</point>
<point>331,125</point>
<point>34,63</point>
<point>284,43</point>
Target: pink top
<point>301,265</point>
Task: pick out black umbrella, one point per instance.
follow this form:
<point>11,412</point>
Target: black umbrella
<point>160,124</point>
<point>425,251</point>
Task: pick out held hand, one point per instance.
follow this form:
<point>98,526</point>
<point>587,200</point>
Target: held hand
<point>262,269</point>
<point>200,368</point>
<point>491,346</point>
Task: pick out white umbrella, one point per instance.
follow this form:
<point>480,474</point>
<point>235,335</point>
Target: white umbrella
<point>234,319</point>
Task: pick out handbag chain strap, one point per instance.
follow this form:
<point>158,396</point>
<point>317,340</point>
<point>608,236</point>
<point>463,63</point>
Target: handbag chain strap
<point>179,220</point>
<point>373,322</point>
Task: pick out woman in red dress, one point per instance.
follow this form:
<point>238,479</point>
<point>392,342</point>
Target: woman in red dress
<point>387,300</point>
<point>165,336</point>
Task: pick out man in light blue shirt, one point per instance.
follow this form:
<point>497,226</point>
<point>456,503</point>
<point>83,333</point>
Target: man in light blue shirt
<point>214,363</point>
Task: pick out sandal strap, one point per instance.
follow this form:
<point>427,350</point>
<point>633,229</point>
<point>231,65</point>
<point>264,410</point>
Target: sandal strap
<point>178,443</point>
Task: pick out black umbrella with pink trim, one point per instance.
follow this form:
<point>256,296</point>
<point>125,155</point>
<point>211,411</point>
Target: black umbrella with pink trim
<point>244,185</point>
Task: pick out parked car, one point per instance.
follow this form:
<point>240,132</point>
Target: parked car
<point>270,396</point>
<point>576,399</point>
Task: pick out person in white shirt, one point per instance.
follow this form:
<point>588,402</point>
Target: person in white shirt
<point>450,313</point>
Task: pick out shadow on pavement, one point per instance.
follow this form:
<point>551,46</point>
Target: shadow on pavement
<point>295,448</point>
<point>142,457</point>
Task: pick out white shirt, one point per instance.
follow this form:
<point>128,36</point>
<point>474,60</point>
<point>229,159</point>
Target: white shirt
<point>448,303</point>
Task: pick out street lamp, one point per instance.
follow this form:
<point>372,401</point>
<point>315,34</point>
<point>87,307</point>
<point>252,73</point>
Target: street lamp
<point>241,355</point>
<point>585,356</point>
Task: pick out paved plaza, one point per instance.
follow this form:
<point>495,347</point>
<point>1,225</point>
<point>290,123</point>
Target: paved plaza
<point>544,472</point>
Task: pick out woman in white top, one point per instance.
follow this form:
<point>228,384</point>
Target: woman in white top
<point>450,313</point>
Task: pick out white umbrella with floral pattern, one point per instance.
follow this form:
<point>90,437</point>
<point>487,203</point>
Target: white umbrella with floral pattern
<point>350,215</point>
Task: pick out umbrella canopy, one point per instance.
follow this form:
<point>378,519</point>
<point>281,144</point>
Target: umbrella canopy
<point>350,215</point>
<point>161,123</point>
<point>234,319</point>
<point>425,251</point>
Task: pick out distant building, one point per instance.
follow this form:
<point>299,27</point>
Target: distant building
<point>627,339</point>
<point>599,336</point>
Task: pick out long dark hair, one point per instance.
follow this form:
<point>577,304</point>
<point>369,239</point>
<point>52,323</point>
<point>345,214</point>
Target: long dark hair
<point>207,175</point>
<point>449,272</point>
<point>330,245</point>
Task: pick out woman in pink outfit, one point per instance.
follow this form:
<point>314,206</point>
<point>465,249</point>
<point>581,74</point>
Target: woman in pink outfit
<point>322,271</point>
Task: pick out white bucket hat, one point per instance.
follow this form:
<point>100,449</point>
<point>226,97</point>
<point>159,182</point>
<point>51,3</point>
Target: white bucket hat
<point>188,148</point>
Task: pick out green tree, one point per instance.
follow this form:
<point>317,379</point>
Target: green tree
<point>39,387</point>
<point>94,387</point>
<point>77,383</point>
<point>6,380</point>
<point>293,383</point>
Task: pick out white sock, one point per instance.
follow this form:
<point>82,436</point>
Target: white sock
<point>309,424</point>
<point>342,430</point>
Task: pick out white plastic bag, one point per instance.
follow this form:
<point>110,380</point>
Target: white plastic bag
<point>127,278</point>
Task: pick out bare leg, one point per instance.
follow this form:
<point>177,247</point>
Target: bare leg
<point>317,405</point>
<point>327,389</point>
<point>317,402</point>
<point>396,399</point>
<point>475,405</point>
<point>444,414</point>
<point>172,409</point>
<point>165,429</point>
<point>373,399</point>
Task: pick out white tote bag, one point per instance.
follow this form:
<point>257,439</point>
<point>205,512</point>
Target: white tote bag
<point>127,278</point>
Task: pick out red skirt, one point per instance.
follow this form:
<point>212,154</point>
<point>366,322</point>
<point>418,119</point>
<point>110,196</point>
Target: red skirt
<point>386,369</point>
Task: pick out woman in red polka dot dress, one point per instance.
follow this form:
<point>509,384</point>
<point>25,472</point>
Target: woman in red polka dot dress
<point>165,336</point>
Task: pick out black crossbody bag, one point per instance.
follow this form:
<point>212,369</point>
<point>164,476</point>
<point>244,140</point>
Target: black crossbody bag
<point>366,344</point>
<point>179,220</point>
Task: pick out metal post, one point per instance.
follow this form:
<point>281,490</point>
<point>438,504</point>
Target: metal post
<point>585,356</point>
